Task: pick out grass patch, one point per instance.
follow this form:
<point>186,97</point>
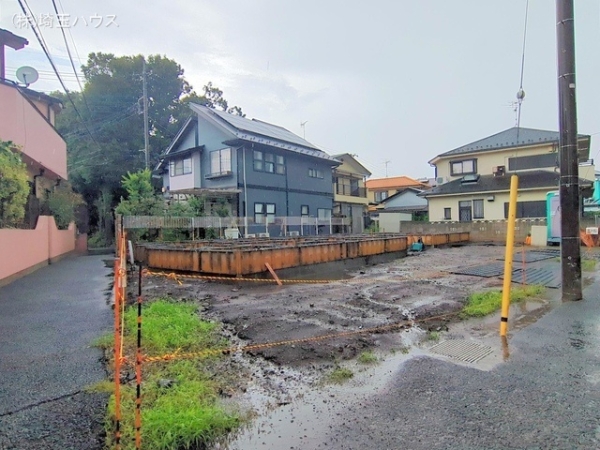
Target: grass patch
<point>588,265</point>
<point>481,304</point>
<point>187,414</point>
<point>340,375</point>
<point>367,357</point>
<point>433,336</point>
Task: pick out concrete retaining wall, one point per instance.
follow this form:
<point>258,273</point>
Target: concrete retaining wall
<point>24,251</point>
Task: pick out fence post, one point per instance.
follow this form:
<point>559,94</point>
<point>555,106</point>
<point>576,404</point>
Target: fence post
<point>138,366</point>
<point>316,226</point>
<point>330,229</point>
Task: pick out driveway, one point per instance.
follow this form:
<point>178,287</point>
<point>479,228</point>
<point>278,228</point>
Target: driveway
<point>48,320</point>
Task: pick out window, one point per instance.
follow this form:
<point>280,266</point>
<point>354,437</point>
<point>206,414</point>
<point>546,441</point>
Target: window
<point>447,213</point>
<point>268,162</point>
<point>264,211</point>
<point>304,210</point>
<point>533,161</point>
<point>528,209</point>
<point>463,167</point>
<point>478,209</point>
<point>315,173</point>
<point>180,167</point>
<point>220,162</point>
<point>323,214</point>
<point>381,196</point>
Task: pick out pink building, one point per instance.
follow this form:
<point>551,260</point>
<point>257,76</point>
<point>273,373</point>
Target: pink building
<point>27,119</point>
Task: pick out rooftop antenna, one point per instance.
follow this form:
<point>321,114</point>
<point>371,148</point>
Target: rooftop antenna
<point>521,92</point>
<point>386,164</point>
<point>303,126</point>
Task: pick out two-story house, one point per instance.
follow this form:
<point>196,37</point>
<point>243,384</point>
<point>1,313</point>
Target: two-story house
<point>473,181</point>
<point>349,193</point>
<point>262,171</point>
<point>378,189</point>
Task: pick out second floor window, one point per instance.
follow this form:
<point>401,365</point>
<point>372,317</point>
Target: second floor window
<point>268,162</point>
<point>180,167</point>
<point>304,210</point>
<point>381,196</point>
<point>220,161</point>
<point>463,167</point>
<point>315,173</point>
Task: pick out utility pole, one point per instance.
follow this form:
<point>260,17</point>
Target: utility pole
<point>145,94</point>
<point>570,245</point>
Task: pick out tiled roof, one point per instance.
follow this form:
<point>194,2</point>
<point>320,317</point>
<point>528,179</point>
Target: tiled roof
<point>536,179</point>
<point>394,183</point>
<point>513,137</point>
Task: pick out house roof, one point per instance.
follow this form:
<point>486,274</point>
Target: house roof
<point>253,130</point>
<point>393,183</point>
<point>535,179</point>
<point>513,137</point>
<point>351,160</point>
<point>12,40</point>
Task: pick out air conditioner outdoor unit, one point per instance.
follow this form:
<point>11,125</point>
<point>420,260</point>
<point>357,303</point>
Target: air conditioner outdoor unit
<point>252,235</point>
<point>440,180</point>
<point>498,171</point>
<point>263,235</point>
<point>294,233</point>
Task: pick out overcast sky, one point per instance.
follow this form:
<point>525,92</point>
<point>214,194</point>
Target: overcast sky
<point>388,80</point>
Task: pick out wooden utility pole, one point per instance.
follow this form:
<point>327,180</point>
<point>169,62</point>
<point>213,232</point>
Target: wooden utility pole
<point>145,93</point>
<point>570,245</point>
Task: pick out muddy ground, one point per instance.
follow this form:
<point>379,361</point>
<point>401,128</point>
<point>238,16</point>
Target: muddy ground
<point>410,288</point>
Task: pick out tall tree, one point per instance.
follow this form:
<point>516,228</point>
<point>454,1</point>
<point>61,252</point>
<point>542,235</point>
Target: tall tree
<point>108,143</point>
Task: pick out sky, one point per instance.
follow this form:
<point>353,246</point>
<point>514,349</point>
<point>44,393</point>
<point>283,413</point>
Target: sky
<point>394,82</point>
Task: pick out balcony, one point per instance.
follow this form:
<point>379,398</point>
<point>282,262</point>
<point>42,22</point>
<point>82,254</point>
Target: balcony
<point>344,189</point>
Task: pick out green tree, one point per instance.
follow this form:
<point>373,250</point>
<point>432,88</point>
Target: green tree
<point>62,202</point>
<point>14,187</point>
<point>141,199</point>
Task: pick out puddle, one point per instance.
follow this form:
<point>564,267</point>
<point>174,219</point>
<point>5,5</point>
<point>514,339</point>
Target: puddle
<point>305,421</point>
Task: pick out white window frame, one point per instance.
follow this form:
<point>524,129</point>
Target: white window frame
<point>223,160</point>
<point>178,167</point>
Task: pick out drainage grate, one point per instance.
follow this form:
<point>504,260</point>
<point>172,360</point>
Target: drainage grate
<point>539,275</point>
<point>488,270</point>
<point>463,350</point>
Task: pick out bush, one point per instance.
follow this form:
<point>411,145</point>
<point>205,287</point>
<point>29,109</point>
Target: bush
<point>14,187</point>
<point>62,203</point>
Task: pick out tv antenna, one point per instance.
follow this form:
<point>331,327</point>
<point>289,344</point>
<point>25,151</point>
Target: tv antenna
<point>303,126</point>
<point>27,75</point>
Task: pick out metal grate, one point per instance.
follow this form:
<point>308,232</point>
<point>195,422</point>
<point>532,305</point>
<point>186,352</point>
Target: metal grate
<point>539,275</point>
<point>532,256</point>
<point>463,350</point>
<point>488,270</point>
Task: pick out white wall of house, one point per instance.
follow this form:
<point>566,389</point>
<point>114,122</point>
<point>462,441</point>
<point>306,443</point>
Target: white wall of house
<point>492,209</point>
<point>489,159</point>
<point>390,222</point>
<point>188,180</point>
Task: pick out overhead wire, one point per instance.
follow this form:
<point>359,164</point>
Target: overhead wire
<point>62,29</point>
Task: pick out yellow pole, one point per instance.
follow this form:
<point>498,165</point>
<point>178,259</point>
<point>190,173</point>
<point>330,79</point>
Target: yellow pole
<point>508,256</point>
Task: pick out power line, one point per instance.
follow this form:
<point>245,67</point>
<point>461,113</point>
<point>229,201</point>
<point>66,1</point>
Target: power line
<point>62,29</point>
<point>33,24</point>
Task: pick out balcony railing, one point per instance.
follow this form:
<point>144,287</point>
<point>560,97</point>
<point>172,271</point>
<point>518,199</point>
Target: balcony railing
<point>344,189</point>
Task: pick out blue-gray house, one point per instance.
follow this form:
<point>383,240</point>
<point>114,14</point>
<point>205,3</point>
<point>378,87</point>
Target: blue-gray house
<point>262,171</point>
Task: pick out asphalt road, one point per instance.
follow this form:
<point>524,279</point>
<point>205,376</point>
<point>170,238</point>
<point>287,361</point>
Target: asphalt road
<point>48,320</point>
<point>546,396</point>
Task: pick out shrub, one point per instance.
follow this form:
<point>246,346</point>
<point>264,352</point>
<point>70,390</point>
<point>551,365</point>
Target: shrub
<point>14,187</point>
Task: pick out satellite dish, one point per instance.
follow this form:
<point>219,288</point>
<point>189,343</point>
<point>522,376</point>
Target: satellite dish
<point>27,75</point>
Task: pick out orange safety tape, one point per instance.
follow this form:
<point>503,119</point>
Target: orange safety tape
<point>176,276</point>
<point>252,347</point>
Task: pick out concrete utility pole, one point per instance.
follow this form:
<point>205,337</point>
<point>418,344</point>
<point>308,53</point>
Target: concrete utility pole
<point>570,245</point>
<point>145,94</point>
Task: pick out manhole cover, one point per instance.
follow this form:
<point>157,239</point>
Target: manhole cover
<point>463,350</point>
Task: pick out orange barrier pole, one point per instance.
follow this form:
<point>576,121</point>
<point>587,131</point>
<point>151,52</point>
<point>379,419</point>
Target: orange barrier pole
<point>117,355</point>
<point>138,367</point>
<point>523,269</point>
